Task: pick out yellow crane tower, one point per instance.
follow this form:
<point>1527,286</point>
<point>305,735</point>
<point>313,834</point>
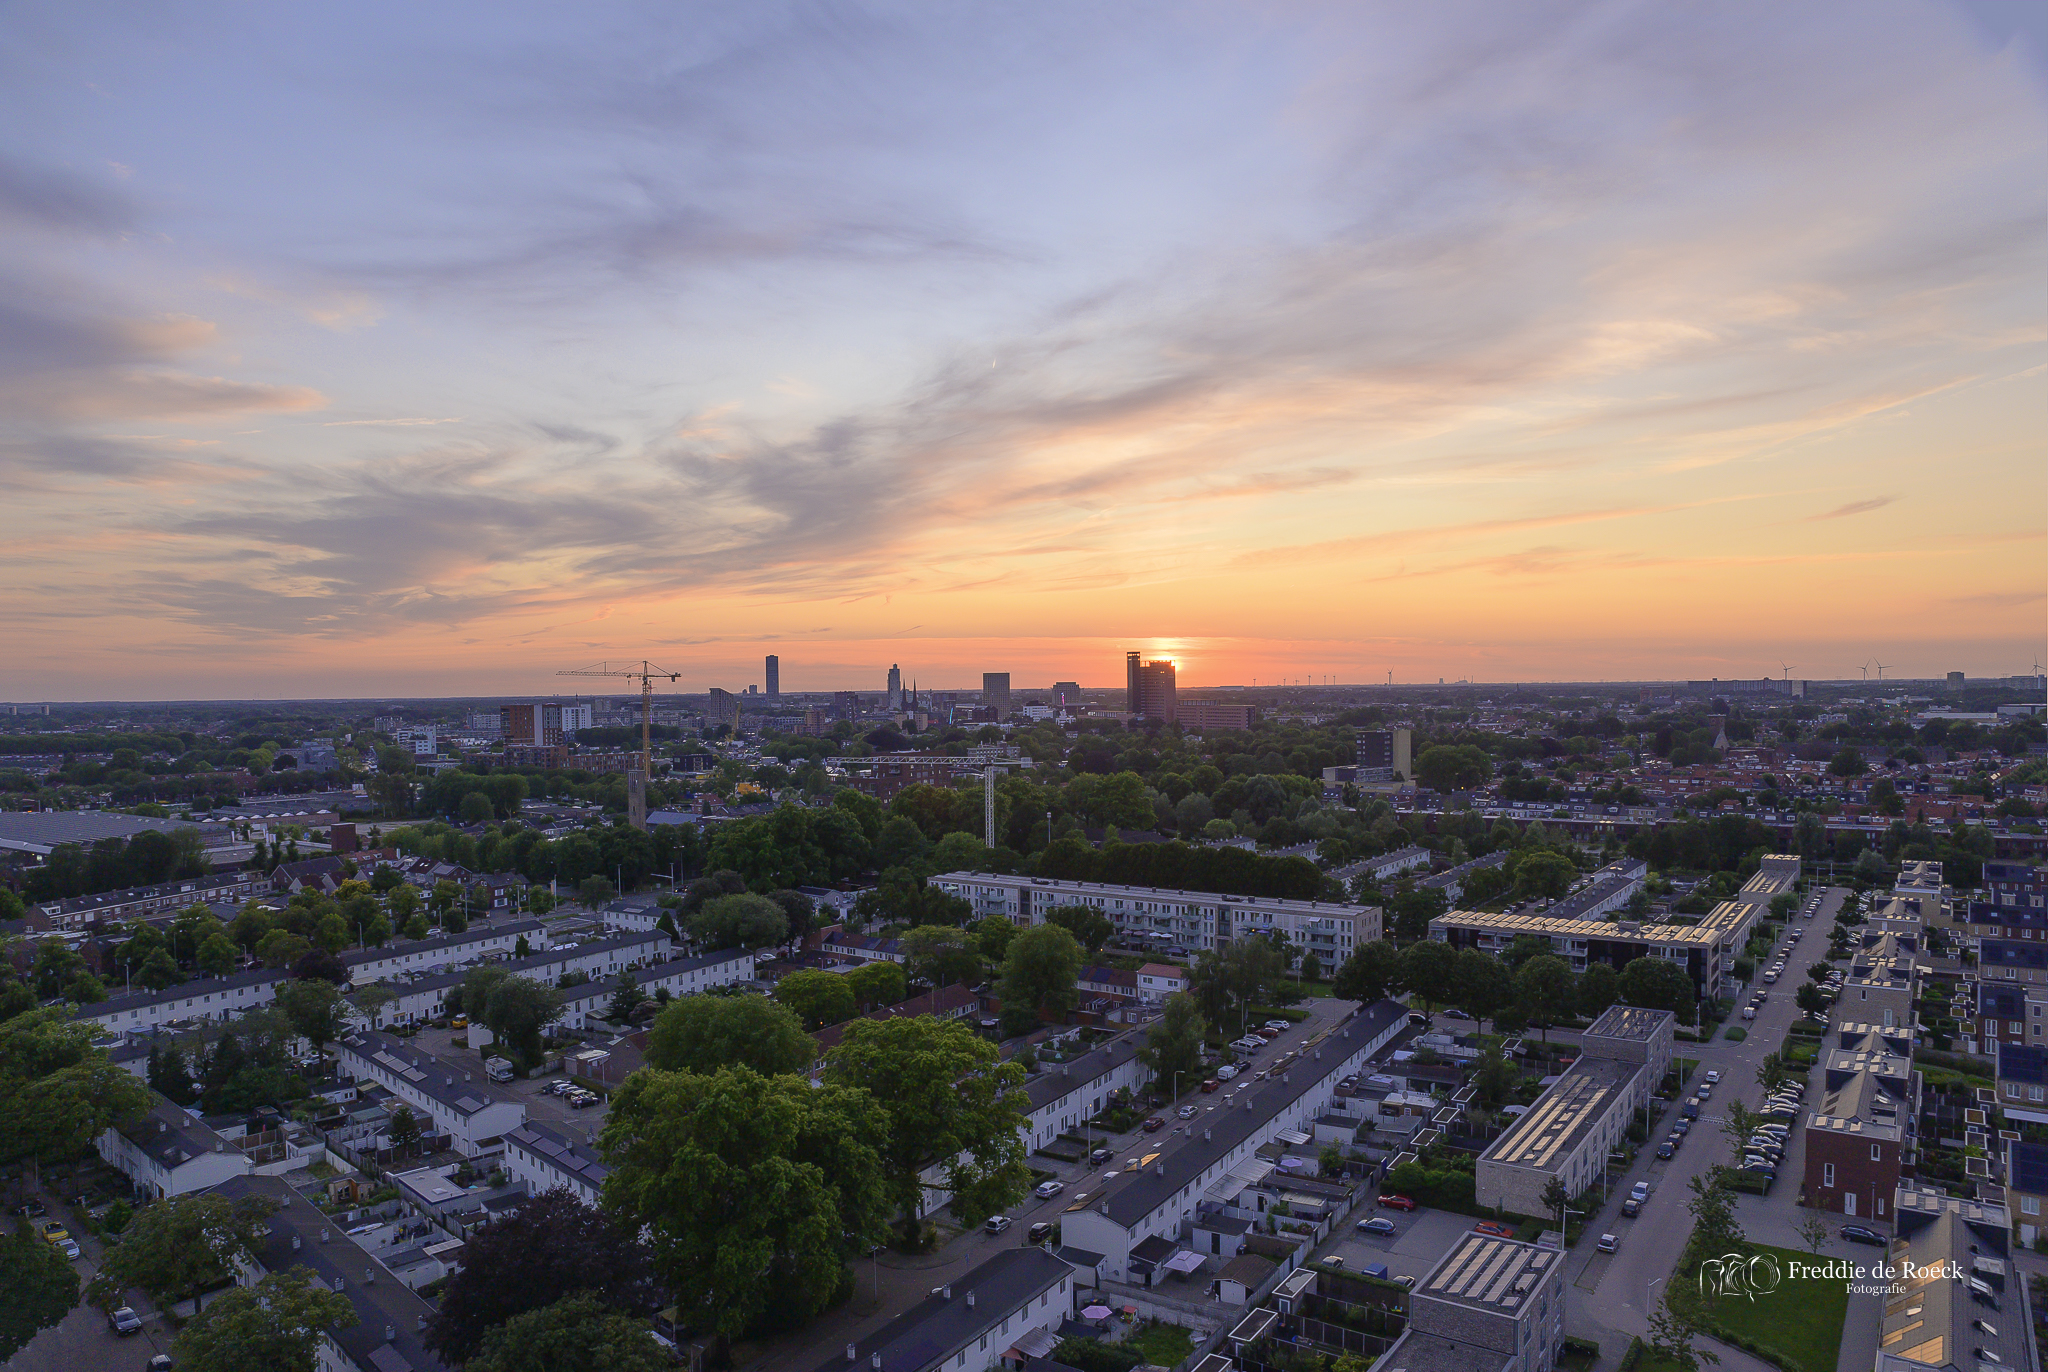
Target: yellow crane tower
<point>647,673</point>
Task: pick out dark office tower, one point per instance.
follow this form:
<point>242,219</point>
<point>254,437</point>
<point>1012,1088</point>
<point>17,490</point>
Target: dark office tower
<point>1133,699</point>
<point>774,677</point>
<point>1383,754</point>
<point>995,693</point>
<point>1066,692</point>
<point>895,699</point>
<point>1156,696</point>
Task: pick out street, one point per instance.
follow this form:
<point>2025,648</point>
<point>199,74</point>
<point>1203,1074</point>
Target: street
<point>81,1341</point>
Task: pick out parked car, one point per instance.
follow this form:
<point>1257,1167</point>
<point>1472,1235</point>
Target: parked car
<point>1681,1128</point>
<point>1153,1125</point>
<point>1666,1149</point>
<point>1404,1280</point>
<point>160,1363</point>
<point>1608,1243</point>
<point>69,1248</point>
<point>1749,1012</point>
<point>1226,1071</point>
<point>1213,1084</point>
<point>997,1224</point>
<point>53,1230</point>
<point>582,1101</point>
<point>124,1321</point>
<point>1039,1232</point>
<point>1186,1112</point>
<point>1282,1025</point>
<point>1631,1207</point>
<point>1498,1231</point>
<point>1713,1077</point>
<point>1640,1191</point>
<point>1100,1156</point>
<point>1417,1017</point>
<point>1048,1188</point>
<point>1393,1202</point>
<point>1690,1111</point>
<point>1378,1224</point>
<point>1856,1233</point>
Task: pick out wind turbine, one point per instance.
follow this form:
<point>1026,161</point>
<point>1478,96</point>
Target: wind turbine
<point>1788,670</point>
<point>1866,671</point>
<point>1881,669</point>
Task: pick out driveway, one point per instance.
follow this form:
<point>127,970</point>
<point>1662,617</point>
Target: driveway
<point>81,1341</point>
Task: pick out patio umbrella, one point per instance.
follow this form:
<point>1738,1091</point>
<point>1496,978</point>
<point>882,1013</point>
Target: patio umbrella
<point>1095,1312</point>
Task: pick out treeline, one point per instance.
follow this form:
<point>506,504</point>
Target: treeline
<point>71,744</point>
<point>113,863</point>
<point>1176,866</point>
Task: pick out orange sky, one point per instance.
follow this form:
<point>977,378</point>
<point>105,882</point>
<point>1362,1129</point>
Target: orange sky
<point>1330,342</point>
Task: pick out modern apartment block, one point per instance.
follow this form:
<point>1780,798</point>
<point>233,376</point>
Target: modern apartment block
<point>1569,1131</point>
<point>533,726</point>
<point>1490,1305</point>
<point>774,677</point>
<point>1977,1318</point>
<point>1706,951</point>
<point>1172,923</point>
<point>1201,715</point>
<point>1384,754</point>
<point>995,693</point>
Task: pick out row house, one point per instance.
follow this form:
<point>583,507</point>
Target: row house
<point>679,977</point>
<point>142,902</point>
<point>475,1113</point>
<point>545,1157</point>
<point>427,996</point>
<point>169,1152</point>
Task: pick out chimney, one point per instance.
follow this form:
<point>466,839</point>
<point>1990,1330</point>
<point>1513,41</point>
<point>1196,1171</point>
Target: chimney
<point>852,1353</point>
<point>389,1334</point>
<point>946,1293</point>
<point>1207,1135</point>
<point>876,1362</point>
<point>423,1324</point>
<point>295,1243</point>
<point>339,1283</point>
<point>970,1300</point>
<point>369,1276</point>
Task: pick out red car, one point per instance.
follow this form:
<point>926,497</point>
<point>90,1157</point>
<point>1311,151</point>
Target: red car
<point>1153,1125</point>
<point>1499,1231</point>
<point>1397,1202</point>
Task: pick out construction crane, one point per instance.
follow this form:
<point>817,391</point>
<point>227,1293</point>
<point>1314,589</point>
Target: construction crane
<point>647,673</point>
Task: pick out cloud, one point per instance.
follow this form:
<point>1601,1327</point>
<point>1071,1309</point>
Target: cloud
<point>98,397</point>
<point>1854,507</point>
<point>58,201</point>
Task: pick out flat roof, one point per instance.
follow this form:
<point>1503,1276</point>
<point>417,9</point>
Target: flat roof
<point>1489,1274</point>
<point>1629,1022</point>
<point>1613,931</point>
<point>1321,907</point>
<point>1565,1113</point>
<point>41,831</point>
<point>1418,1352</point>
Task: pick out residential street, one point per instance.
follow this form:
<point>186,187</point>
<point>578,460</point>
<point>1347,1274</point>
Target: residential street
<point>1614,1294</point>
<point>81,1341</point>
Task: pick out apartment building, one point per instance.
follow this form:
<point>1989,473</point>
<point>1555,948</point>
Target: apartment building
<point>1004,1313</point>
<point>1164,1199</point>
<point>2026,1187</point>
<point>201,998</point>
<point>1856,1143</point>
<point>1978,1319</point>
<point>542,1157</point>
<point>1567,1134</point>
<point>142,902</point>
<point>1706,951</point>
<point>1490,1305</point>
<point>169,1152</point>
<point>473,1112</point>
<point>1062,1096</point>
<point>1204,716</point>
<point>1606,891</point>
<point>1173,923</point>
<point>2023,1082</point>
<point>677,976</point>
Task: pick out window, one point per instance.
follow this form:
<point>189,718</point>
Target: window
<point>1827,1174</point>
<point>1876,1153</point>
<point>2030,1205</point>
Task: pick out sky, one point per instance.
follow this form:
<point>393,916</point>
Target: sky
<point>382,350</point>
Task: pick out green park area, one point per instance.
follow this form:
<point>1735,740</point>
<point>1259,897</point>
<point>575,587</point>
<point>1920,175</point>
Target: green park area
<point>1797,1325</point>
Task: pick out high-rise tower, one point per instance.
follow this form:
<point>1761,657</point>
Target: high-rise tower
<point>774,677</point>
<point>895,687</point>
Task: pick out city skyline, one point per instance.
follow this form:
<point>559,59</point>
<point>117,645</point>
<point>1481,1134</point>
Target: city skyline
<point>368,355</point>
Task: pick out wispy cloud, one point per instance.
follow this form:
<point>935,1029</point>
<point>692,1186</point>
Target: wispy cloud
<point>1854,507</point>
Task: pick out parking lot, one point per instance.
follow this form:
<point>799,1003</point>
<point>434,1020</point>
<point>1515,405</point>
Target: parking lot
<point>540,1106</point>
<point>1419,1241</point>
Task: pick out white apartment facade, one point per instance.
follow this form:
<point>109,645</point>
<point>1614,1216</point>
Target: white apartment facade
<point>1173,923</point>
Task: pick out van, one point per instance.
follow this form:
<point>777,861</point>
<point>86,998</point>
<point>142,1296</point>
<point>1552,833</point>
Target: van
<point>497,1069</point>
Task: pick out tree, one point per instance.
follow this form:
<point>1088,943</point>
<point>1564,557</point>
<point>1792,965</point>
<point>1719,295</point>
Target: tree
<point>1172,1050</point>
<point>1546,990</point>
<point>1814,1233</point>
<point>951,1105</point>
<point>739,921</point>
<point>475,809</point>
<point>85,989</point>
<point>218,955</point>
<point>753,1192</point>
<point>1493,1077</point>
<point>550,1247</point>
<point>877,984</point>
<point>1772,1072</point>
<point>1740,1124</point>
<point>1481,985</point>
<point>404,901</point>
<point>819,998</point>
<point>1039,971</point>
<point>516,1011</point>
<point>477,984</point>
<point>595,891</point>
<point>371,1001</point>
<point>406,1129</point>
<point>1810,998</point>
<point>1089,926</point>
<point>1525,947</point>
<point>1428,970</point>
<point>939,955</point>
<point>1372,972</point>
<point>1544,873</point>
<point>1847,762</point>
<point>38,1288</point>
<point>274,1326</point>
<point>57,1091</point>
<point>1671,1336</point>
<point>250,926</point>
<point>171,1078</point>
<point>702,1033</point>
<point>175,1248</point>
<point>315,1010</point>
<point>321,964</point>
<point>1715,1230</point>
<point>1452,767</point>
<point>577,1334</point>
<point>159,972</point>
<point>626,998</point>
<point>1410,911</point>
<point>1599,987</point>
<point>57,963</point>
<point>1659,984</point>
<point>281,948</point>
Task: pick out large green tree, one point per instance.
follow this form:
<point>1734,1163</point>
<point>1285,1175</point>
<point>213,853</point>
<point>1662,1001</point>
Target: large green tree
<point>940,955</point>
<point>273,1326</point>
<point>314,1009</point>
<point>752,1192</point>
<point>739,921</point>
<point>1429,971</point>
<point>576,1334</point>
<point>517,1010</point>
<point>951,1103</point>
<point>1039,971</point>
<point>877,984</point>
<point>1452,767</point>
<point>703,1033</point>
<point>1546,990</point>
<point>1659,984</point>
<point>1372,972</point>
<point>1089,926</point>
<point>37,1289</point>
<point>174,1249</point>
<point>820,998</point>
<point>1409,912</point>
<point>58,1092</point>
<point>1481,984</point>
<point>1172,1050</point>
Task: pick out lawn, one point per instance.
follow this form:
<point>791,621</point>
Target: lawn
<point>1167,1345</point>
<point>1801,1320</point>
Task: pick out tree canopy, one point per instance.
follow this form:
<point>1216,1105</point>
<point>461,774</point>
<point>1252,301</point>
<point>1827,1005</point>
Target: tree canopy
<point>703,1033</point>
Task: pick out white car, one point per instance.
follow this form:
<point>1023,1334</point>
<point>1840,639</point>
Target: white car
<point>1282,1025</point>
<point>1713,1077</point>
<point>1226,1071</point>
<point>1049,1188</point>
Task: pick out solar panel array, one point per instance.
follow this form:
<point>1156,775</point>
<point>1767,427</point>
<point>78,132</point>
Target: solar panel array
<point>1491,1271</point>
